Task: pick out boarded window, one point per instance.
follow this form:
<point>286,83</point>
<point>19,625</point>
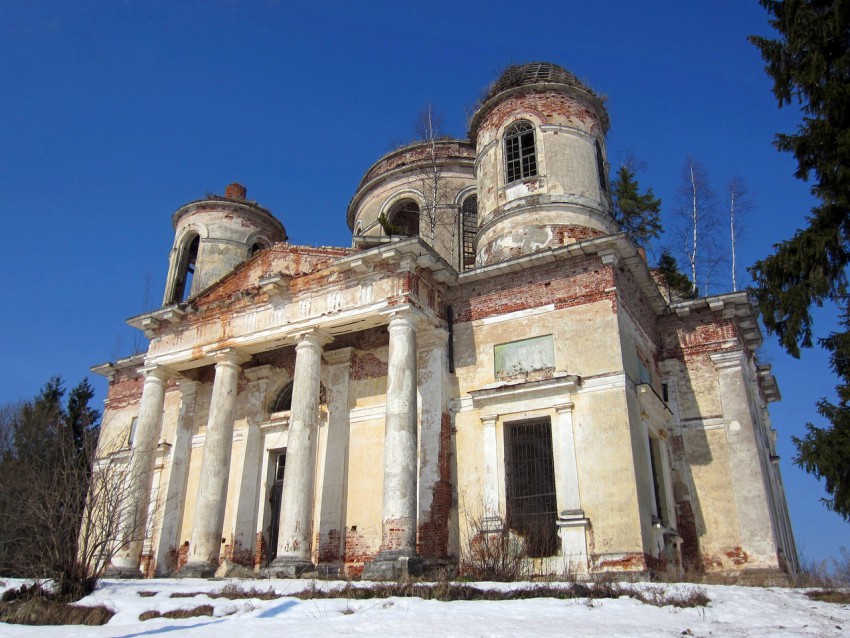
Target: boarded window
<point>520,152</point>
<point>530,485</point>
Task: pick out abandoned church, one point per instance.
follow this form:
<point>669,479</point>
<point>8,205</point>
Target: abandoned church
<point>490,358</point>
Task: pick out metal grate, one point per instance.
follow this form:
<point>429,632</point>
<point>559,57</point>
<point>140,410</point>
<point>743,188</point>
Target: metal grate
<point>469,219</point>
<point>530,477</point>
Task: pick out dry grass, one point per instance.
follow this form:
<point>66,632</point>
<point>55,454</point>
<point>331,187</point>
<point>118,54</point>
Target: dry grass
<point>448,591</point>
<point>192,612</point>
<point>830,596</point>
<point>43,611</point>
<point>232,591</point>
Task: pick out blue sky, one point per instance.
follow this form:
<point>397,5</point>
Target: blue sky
<point>114,114</point>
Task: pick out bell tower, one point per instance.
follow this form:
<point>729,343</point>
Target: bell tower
<point>214,235</point>
<point>541,169</point>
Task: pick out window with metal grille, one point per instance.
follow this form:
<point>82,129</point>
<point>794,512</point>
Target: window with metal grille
<point>520,152</point>
<point>530,485</point>
<point>469,223</point>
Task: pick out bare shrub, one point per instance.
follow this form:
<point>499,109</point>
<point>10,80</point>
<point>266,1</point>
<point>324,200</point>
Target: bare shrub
<point>492,551</point>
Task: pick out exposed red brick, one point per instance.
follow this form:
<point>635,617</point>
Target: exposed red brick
<point>581,281</point>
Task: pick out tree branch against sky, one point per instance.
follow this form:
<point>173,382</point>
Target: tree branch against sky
<point>695,225</point>
<point>810,66</point>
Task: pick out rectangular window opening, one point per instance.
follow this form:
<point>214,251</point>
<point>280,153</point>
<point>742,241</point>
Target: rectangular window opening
<point>530,485</point>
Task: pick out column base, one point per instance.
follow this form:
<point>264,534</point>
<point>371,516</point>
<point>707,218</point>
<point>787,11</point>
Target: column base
<point>200,569</point>
<point>393,565</point>
<point>288,567</point>
<point>118,571</point>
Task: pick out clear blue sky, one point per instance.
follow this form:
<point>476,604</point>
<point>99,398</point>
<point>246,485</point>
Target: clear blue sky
<point>114,114</point>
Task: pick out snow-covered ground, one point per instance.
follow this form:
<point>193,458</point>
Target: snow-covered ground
<point>734,611</point>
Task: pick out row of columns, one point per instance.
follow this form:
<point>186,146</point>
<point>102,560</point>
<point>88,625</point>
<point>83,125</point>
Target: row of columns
<point>296,516</point>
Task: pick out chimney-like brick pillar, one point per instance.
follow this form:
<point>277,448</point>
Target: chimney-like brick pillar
<point>235,191</point>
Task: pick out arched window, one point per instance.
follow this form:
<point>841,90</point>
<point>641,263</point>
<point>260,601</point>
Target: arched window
<point>404,219</point>
<point>283,400</point>
<point>520,151</point>
<point>257,247</point>
<point>186,268</point>
<point>600,168</point>
<point>468,227</point>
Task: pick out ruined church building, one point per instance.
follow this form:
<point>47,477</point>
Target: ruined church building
<point>491,355</point>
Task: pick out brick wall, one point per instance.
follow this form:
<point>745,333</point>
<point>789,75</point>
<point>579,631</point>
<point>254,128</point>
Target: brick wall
<point>580,281</point>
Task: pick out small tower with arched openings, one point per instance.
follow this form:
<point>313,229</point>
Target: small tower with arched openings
<point>541,169</point>
<point>214,235</point>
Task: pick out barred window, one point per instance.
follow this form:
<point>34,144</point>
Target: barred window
<point>520,151</point>
<point>530,485</point>
<point>469,227</point>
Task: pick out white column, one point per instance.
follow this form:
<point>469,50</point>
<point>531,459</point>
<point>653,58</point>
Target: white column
<point>400,439</point>
<point>296,507</point>
<point>745,464</point>
<point>140,472</point>
<point>178,469</point>
<point>208,522</point>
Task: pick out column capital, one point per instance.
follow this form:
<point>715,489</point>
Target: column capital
<point>561,408</point>
<point>313,337</point>
<point>229,356</point>
<point>405,316</point>
<point>187,386</point>
<point>158,372</point>
<point>258,373</point>
<point>489,419</point>
<point>339,356</point>
<point>432,338</point>
<point>727,360</point>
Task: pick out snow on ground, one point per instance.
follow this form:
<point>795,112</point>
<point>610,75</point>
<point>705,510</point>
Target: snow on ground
<point>734,611</point>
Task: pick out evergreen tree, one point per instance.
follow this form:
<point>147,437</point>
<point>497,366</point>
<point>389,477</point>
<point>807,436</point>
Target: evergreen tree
<point>810,64</point>
<point>676,280</point>
<point>638,214</point>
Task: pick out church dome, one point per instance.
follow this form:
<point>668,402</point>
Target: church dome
<point>531,73</point>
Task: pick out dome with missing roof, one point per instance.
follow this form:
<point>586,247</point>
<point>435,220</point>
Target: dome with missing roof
<point>534,73</point>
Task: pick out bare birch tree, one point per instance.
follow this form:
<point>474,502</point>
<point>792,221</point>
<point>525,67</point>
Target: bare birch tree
<point>696,225</point>
<point>437,212</point>
<point>738,203</point>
